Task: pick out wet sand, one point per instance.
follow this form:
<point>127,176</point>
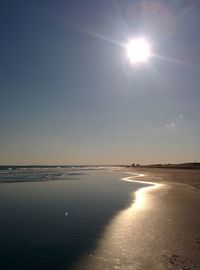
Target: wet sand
<point>159,231</point>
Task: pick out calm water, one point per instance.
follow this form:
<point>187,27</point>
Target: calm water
<point>36,232</point>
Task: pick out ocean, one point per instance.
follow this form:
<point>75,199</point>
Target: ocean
<point>52,216</point>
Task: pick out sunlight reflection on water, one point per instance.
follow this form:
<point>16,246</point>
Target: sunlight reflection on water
<point>140,195</point>
<point>118,245</point>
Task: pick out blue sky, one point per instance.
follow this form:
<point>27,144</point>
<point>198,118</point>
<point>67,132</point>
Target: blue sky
<point>69,96</point>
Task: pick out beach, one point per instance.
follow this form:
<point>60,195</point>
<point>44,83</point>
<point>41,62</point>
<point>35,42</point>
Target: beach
<point>117,218</point>
<point>159,231</point>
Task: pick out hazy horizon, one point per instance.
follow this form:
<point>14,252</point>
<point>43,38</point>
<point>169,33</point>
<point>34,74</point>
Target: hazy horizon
<point>94,164</point>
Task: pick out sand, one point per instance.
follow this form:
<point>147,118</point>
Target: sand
<point>159,231</point>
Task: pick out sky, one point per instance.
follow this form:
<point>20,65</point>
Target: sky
<point>68,94</point>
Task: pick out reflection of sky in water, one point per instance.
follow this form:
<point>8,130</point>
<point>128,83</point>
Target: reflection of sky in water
<point>35,229</point>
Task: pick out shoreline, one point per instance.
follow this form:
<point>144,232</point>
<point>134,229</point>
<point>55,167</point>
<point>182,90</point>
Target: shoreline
<point>174,177</point>
<point>159,231</point>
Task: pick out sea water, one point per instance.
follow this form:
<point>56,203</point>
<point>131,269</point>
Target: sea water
<point>50,217</point>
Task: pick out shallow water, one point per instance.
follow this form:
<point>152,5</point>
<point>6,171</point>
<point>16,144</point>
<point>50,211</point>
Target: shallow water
<point>51,224</point>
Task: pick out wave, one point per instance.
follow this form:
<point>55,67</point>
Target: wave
<point>45,173</point>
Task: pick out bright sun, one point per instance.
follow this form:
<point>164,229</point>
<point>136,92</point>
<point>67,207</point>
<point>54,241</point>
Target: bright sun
<point>138,50</point>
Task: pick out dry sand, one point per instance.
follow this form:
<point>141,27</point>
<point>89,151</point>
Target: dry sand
<point>159,231</point>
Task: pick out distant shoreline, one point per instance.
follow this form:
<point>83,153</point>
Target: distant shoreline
<point>189,165</point>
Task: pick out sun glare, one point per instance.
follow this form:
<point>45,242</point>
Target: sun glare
<point>138,50</point>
